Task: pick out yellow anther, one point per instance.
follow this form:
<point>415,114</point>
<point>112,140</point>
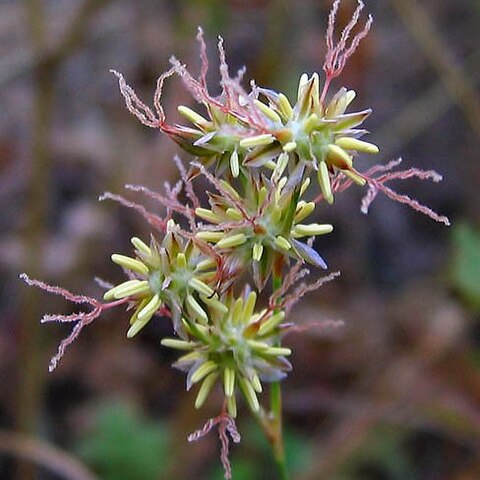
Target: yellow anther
<point>234,164</point>
<point>192,116</point>
<point>232,241</point>
<point>177,344</point>
<point>141,246</point>
<point>278,351</point>
<point>205,389</point>
<point>268,112</point>
<point>304,211</point>
<point>289,147</point>
<point>282,243</point>
<point>257,140</point>
<point>304,186</point>
<point>208,215</point>
<point>206,264</point>
<point>210,236</point>
<point>311,230</point>
<point>196,309</point>
<point>324,181</point>
<point>257,252</point>
<point>338,157</point>
<point>203,371</point>
<point>181,260</point>
<point>234,214</point>
<point>130,264</point>
<point>200,287</point>
<point>349,143</point>
<point>285,107</point>
<point>250,395</point>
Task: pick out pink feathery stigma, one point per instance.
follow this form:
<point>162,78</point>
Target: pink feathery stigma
<point>377,184</point>
<point>82,318</point>
<point>203,58</point>
<point>319,324</point>
<point>304,288</point>
<point>218,185</point>
<point>158,95</point>
<point>134,105</point>
<point>226,424</point>
<point>338,54</point>
<point>154,220</point>
<point>187,183</point>
<point>169,203</point>
<point>225,80</point>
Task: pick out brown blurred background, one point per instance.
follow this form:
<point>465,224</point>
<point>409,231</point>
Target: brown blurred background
<point>394,394</point>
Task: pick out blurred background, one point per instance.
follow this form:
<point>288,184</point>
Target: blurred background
<point>392,395</point>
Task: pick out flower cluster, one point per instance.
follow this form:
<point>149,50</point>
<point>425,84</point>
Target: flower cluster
<point>263,226</point>
<point>259,151</point>
<point>308,136</point>
<point>169,275</point>
<point>235,344</point>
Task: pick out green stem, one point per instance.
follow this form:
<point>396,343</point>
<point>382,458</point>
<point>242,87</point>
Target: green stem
<point>277,424</point>
<point>271,423</point>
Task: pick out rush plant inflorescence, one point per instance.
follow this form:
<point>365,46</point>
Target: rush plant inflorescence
<point>271,163</point>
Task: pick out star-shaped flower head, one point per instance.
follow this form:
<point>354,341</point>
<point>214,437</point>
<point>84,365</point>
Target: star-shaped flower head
<point>237,346</point>
<point>170,277</point>
<point>264,225</point>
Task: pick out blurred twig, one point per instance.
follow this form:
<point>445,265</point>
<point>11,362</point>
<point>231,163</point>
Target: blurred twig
<point>438,53</point>
<point>44,83</point>
<point>419,114</point>
<point>48,456</point>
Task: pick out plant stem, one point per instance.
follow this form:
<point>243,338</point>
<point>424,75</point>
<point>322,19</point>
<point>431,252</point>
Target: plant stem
<point>271,422</point>
<point>277,437</point>
<point>276,440</point>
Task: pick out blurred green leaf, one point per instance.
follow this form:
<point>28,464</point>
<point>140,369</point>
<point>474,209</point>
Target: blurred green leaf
<point>382,451</point>
<point>122,444</point>
<point>465,269</point>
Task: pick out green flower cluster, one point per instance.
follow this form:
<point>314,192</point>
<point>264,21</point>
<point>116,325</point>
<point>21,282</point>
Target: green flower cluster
<point>236,346</point>
<point>307,136</point>
<point>265,224</point>
<point>225,336</point>
<point>260,152</point>
<point>171,275</point>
